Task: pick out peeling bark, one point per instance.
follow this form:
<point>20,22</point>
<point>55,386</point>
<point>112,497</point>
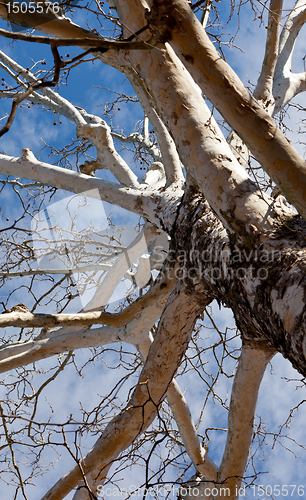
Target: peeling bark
<point>172,20</point>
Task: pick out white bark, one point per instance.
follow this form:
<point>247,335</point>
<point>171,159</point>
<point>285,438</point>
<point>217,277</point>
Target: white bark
<point>227,93</point>
<point>70,338</point>
<point>180,410</point>
<point>107,157</point>
<point>286,83</point>
<point>263,90</point>
<point>161,364</point>
<point>171,160</point>
<point>251,368</point>
<point>140,201</point>
<point>184,421</point>
<point>201,145</point>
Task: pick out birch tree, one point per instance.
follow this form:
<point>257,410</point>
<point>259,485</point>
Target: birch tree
<point>221,209</point>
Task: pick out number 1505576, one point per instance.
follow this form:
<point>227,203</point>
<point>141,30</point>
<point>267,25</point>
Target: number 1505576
<point>285,490</point>
<point>31,7</point>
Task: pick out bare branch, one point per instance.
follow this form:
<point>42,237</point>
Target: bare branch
<point>206,12</point>
<point>163,359</point>
<point>139,201</point>
<point>107,157</point>
<point>98,44</point>
<point>265,140</point>
<point>288,84</point>
<point>251,368</point>
<point>188,433</point>
<point>263,90</point>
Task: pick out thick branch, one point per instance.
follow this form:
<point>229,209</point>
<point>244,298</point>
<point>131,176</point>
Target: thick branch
<point>171,160</point>
<point>184,421</point>
<point>188,432</point>
<point>263,91</point>
<point>294,23</point>
<point>222,86</point>
<point>140,201</point>
<point>251,368</point>
<point>99,135</point>
<point>288,84</point>
<point>164,357</point>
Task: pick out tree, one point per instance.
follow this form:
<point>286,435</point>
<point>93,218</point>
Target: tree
<point>212,230</point>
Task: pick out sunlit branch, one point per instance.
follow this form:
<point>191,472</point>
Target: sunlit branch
<point>140,201</point>
<point>164,357</point>
<point>99,134</point>
<point>27,320</point>
<point>251,368</point>
<point>288,84</point>
<point>188,433</point>
<point>244,114</point>
<point>294,23</point>
<point>206,12</point>
<point>171,160</point>
<point>172,164</point>
<point>263,90</point>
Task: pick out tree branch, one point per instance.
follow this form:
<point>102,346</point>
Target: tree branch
<point>251,368</point>
<point>184,421</point>
<point>263,90</point>
<point>140,201</point>
<point>164,357</point>
<point>171,159</point>
<point>21,353</point>
<point>107,157</point>
<point>99,44</point>
<point>288,84</point>
<point>227,93</point>
<point>160,288</point>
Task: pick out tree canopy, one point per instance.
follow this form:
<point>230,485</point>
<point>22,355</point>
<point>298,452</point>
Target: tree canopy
<point>153,205</point>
